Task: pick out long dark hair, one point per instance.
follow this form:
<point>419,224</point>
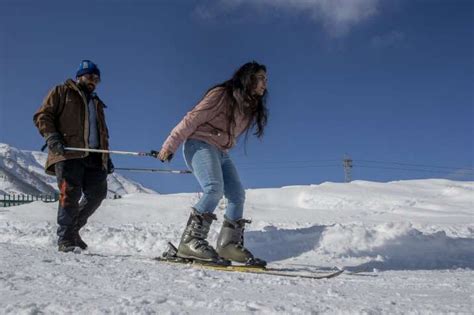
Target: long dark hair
<point>240,88</point>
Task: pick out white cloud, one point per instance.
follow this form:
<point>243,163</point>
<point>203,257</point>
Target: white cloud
<point>336,16</point>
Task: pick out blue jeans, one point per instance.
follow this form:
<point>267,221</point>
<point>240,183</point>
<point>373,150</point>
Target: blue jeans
<point>217,176</point>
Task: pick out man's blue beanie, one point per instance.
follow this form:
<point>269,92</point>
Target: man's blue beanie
<point>86,67</point>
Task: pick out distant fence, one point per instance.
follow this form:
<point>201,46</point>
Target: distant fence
<point>15,200</point>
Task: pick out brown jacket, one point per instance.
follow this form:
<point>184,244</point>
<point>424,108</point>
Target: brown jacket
<point>65,111</point>
<point>208,122</point>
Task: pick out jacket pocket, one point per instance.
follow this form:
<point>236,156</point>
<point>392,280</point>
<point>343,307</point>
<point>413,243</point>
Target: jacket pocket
<point>71,139</point>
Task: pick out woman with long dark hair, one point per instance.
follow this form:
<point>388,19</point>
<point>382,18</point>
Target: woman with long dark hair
<point>209,131</point>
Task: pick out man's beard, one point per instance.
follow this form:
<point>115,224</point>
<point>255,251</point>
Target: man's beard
<point>87,87</point>
<point>91,87</point>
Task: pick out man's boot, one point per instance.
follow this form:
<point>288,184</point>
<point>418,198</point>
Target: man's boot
<point>79,242</point>
<point>230,243</point>
<point>193,243</point>
<point>66,246</point>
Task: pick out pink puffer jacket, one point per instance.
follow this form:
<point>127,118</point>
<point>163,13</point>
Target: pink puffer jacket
<point>208,122</point>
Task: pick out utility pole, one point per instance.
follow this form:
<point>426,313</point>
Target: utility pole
<point>347,163</point>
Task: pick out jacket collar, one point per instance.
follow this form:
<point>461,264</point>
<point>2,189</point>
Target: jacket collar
<point>73,85</point>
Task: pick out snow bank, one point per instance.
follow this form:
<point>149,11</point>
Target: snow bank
<point>419,233</point>
<point>425,224</point>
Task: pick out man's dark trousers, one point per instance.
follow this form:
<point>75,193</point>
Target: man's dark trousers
<point>79,177</point>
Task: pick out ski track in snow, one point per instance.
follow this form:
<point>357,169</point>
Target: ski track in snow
<point>410,243</point>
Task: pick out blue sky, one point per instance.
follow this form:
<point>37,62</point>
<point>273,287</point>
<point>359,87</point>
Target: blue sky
<point>388,82</point>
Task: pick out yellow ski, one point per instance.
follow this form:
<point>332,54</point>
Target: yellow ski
<point>251,269</point>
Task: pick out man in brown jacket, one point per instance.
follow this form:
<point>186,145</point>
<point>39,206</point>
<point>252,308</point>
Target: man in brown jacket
<point>72,115</point>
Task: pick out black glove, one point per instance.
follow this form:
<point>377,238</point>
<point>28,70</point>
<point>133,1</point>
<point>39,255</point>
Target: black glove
<point>55,143</point>
<point>110,166</point>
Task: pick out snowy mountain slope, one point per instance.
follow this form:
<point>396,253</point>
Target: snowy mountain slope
<point>22,172</point>
<point>413,240</point>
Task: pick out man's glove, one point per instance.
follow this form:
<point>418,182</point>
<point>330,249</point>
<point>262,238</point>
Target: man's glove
<point>110,166</point>
<point>55,143</point>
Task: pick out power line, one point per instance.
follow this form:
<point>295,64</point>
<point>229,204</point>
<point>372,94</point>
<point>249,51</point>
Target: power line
<point>288,162</point>
<point>256,164</point>
<point>412,169</point>
<point>285,167</point>
<point>418,165</point>
<point>350,164</point>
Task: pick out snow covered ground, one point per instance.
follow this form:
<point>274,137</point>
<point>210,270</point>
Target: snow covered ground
<point>410,244</point>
